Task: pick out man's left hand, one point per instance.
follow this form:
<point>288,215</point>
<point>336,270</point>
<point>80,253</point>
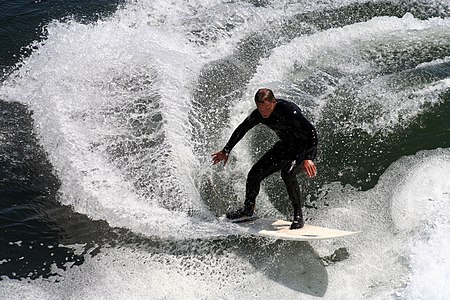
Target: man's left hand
<point>309,168</point>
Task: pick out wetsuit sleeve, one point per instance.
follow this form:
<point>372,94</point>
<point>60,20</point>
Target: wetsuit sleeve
<point>311,147</point>
<point>241,130</point>
<point>308,131</point>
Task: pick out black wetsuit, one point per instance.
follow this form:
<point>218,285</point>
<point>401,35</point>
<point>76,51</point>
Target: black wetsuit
<point>298,141</point>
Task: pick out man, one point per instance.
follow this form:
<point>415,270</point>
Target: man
<point>293,153</point>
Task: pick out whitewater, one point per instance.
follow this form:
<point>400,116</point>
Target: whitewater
<point>128,110</point>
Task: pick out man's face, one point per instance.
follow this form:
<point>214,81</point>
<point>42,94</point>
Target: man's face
<point>266,108</point>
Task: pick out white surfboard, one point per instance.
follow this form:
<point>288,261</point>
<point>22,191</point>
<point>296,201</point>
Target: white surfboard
<point>279,229</point>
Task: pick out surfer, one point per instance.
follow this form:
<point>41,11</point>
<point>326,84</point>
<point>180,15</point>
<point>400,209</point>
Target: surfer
<point>293,153</point>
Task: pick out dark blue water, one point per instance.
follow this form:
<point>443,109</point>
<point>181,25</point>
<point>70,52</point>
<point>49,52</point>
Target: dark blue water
<point>23,21</point>
<point>32,222</point>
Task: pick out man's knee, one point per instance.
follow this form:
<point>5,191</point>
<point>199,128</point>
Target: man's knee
<point>255,175</point>
<point>288,175</point>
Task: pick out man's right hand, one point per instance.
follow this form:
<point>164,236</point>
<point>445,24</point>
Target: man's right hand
<point>310,168</point>
<point>220,156</point>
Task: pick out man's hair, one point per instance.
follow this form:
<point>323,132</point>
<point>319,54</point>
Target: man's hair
<point>264,95</point>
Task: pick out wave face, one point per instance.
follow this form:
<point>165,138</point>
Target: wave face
<point>109,125</point>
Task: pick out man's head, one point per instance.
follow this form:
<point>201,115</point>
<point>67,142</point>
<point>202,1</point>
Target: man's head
<point>265,102</point>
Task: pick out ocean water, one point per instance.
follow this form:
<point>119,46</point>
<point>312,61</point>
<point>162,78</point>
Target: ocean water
<point>110,110</point>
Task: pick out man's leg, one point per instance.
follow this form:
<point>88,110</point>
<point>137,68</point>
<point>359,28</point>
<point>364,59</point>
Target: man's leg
<point>272,161</point>
<point>289,176</point>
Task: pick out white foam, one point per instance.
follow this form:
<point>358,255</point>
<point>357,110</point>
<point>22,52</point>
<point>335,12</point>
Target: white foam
<point>134,274</point>
<point>77,85</point>
<point>338,58</point>
<point>422,195</point>
<point>383,263</point>
<point>403,241</point>
<point>88,85</point>
<point>430,278</point>
<point>422,207</point>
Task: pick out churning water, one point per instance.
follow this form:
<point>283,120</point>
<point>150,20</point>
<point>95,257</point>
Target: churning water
<point>108,124</point>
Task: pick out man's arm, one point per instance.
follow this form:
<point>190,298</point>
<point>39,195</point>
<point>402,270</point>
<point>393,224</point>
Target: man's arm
<point>306,130</point>
<point>237,135</point>
<point>311,145</point>
<point>311,149</point>
<point>306,156</point>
